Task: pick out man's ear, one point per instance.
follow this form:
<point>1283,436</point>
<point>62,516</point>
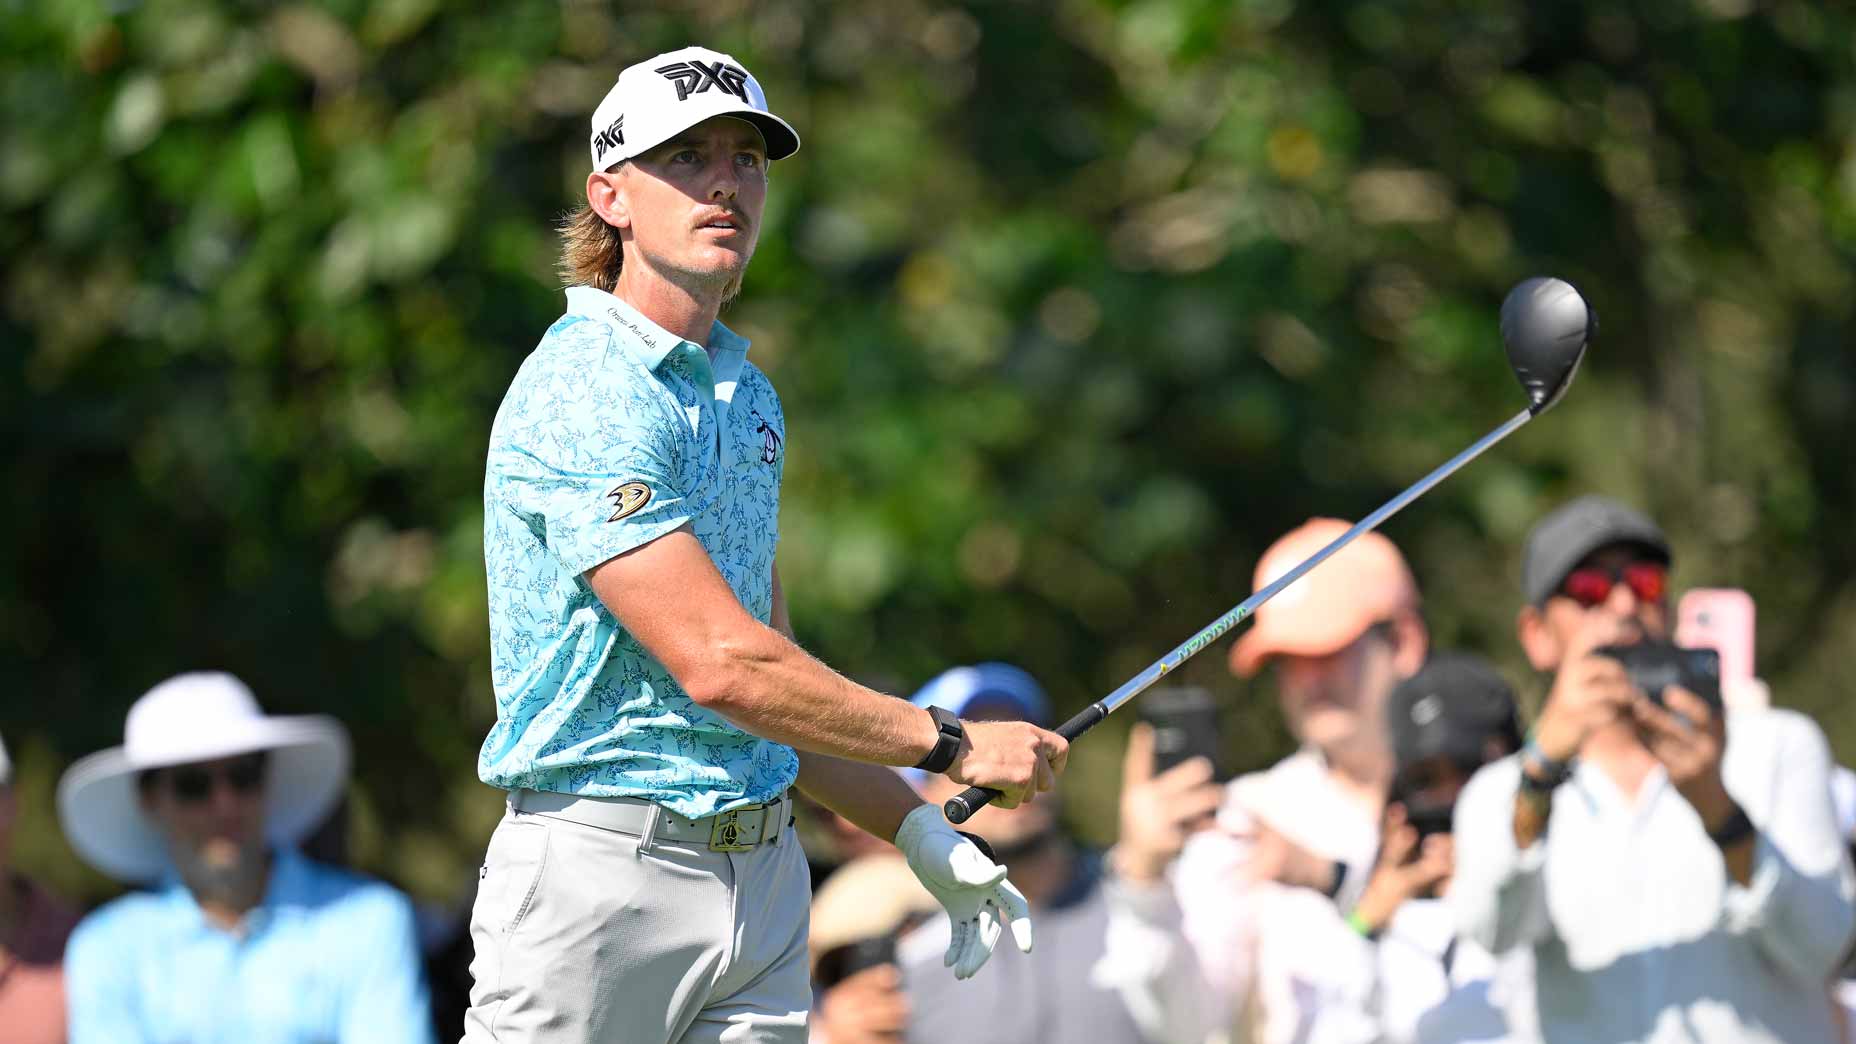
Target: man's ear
<point>1413,644</point>
<point>605,193</point>
<point>1538,641</point>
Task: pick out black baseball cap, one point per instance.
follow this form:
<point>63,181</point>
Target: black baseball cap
<point>1452,707</point>
<point>1558,542</point>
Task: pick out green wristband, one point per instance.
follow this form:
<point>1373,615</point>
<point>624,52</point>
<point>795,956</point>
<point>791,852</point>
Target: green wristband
<point>1358,924</point>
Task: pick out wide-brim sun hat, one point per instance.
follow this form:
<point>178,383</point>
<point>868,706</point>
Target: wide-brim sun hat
<point>195,717</point>
<point>660,97</point>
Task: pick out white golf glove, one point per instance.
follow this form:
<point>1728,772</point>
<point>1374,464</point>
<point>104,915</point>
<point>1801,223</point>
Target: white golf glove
<point>973,888</point>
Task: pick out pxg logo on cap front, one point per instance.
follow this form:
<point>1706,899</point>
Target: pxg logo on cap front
<point>695,77</point>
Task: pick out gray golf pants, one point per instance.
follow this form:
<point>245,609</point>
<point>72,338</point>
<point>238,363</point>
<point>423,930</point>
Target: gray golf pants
<point>591,935</point>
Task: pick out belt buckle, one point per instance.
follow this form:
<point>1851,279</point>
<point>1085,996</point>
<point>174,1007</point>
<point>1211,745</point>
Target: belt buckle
<point>725,832</point>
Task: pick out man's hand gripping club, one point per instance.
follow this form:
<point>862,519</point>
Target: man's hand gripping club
<point>973,889</point>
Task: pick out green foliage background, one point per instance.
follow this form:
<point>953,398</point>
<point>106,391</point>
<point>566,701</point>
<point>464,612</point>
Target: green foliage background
<point>1074,306</point>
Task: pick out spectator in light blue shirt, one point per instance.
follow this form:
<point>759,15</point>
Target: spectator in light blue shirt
<point>242,938</point>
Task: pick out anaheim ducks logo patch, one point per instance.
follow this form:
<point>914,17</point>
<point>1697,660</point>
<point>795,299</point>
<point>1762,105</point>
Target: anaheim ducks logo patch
<point>629,497</point>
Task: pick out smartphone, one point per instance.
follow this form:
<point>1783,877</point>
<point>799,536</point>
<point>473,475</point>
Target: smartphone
<point>1185,722</point>
<point>1655,666</point>
<point>1719,618</point>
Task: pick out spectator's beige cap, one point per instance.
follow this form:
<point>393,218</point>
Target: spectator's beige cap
<point>867,898</point>
<point>1332,604</point>
<point>201,716</point>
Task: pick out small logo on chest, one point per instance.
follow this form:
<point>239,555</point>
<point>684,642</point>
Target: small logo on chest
<point>769,439</point>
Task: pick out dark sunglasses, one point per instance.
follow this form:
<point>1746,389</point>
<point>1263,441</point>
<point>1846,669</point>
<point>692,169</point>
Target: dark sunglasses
<point>1590,586</point>
<point>193,784</point>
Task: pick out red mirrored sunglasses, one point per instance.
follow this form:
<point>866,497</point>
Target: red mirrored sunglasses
<point>1649,581</point>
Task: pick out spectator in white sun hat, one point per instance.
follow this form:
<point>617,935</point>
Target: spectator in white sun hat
<point>240,937</point>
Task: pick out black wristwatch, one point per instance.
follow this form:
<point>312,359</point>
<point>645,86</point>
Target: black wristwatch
<point>1337,881</point>
<point>1736,829</point>
<point>947,744</point>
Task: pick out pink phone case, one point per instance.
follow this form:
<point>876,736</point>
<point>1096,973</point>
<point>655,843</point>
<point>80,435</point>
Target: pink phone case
<point>1719,618</point>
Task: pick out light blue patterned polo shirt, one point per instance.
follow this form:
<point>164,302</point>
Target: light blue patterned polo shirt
<point>614,433</point>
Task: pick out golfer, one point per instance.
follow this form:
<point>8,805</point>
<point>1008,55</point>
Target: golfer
<point>653,712</point>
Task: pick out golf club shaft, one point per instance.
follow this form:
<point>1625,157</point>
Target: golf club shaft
<point>959,807</point>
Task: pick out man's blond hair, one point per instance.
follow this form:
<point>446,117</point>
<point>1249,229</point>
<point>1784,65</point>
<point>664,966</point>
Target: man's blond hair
<point>591,250</point>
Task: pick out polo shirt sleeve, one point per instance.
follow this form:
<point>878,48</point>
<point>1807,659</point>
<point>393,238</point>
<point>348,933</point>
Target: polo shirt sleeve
<point>591,457</point>
<point>99,984</point>
<point>386,1000</point>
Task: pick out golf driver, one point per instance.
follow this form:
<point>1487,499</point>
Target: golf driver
<point>1546,326</point>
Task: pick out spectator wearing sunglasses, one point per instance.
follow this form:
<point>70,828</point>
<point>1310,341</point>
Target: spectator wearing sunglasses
<point>239,937</point>
<point>1674,869</point>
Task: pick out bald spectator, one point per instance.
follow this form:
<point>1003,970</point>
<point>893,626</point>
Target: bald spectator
<point>1269,889</point>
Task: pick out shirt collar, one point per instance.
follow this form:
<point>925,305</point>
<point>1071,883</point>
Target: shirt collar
<point>650,343</point>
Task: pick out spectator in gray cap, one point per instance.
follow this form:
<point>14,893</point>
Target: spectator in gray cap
<point>33,928</point>
<point>1675,869</point>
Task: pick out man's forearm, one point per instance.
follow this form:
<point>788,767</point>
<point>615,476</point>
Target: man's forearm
<point>1531,809</point>
<point>871,796</point>
<point>767,685</point>
<point>669,595</point>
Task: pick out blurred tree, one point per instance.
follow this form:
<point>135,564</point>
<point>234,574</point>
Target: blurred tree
<point>1074,306</point>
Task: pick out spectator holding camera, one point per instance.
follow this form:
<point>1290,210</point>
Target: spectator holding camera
<point>1111,965</point>
<point>242,938</point>
<point>858,913</point>
<point>1268,890</point>
<point>1675,871</point>
<point>1415,981</point>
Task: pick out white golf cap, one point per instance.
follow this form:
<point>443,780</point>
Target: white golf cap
<point>658,97</point>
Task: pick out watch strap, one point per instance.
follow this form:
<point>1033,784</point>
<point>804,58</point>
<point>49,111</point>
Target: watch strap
<point>1736,829</point>
<point>947,742</point>
<point>1540,773</point>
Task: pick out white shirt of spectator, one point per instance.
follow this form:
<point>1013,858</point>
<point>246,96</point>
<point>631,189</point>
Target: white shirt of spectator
<point>1636,930</point>
<point>1268,950</point>
<point>1422,984</point>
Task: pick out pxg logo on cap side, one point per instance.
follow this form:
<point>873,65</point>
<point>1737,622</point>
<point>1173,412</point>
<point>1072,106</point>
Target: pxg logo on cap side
<point>612,137</point>
<point>697,77</point>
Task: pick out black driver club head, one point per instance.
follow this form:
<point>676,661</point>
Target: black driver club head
<point>1546,326</point>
